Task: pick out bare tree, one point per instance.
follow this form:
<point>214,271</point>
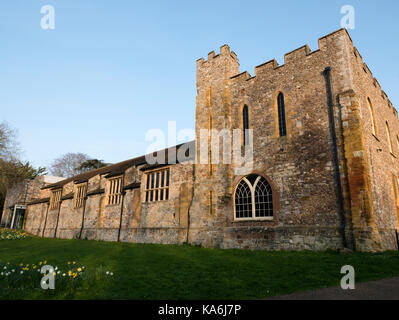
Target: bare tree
<point>12,169</point>
<point>67,165</point>
<point>9,147</point>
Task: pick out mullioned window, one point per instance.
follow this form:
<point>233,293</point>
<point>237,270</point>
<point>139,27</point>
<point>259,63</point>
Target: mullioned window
<point>157,185</point>
<point>79,196</point>
<point>253,199</point>
<point>55,199</point>
<point>115,191</point>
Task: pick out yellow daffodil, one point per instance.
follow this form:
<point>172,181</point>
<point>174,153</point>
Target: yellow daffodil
<point>69,262</point>
<point>45,261</point>
<point>79,269</point>
<point>54,273</point>
<point>40,263</point>
<point>74,262</point>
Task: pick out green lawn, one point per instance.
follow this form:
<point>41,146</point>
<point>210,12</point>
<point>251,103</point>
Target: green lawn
<point>181,272</point>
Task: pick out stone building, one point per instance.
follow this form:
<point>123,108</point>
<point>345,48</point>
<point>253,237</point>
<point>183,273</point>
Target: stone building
<point>323,173</point>
<point>19,196</point>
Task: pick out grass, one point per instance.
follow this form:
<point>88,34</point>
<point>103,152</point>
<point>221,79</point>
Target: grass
<point>183,272</point>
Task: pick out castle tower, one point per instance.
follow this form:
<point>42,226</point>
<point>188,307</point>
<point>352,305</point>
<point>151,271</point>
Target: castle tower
<point>212,190</point>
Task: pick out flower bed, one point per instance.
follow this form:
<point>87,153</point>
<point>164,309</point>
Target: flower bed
<point>33,279</point>
<point>9,234</point>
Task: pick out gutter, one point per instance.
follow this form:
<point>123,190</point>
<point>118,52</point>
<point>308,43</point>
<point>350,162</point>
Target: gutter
<point>327,75</point>
<point>84,210</point>
<point>45,221</point>
<point>58,216</point>
<point>191,203</point>
<point>123,198</point>
<point>397,238</point>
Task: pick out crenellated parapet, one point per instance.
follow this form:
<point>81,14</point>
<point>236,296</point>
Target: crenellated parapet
<point>266,67</point>
<point>224,52</point>
<point>373,80</point>
<point>297,56</point>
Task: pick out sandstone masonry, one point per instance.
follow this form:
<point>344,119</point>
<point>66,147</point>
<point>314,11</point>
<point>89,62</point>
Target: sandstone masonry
<point>332,179</point>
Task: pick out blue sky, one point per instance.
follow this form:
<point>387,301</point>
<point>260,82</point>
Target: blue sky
<point>112,70</point>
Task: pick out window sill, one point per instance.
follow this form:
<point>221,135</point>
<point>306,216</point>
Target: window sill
<point>153,202</point>
<point>112,205</point>
<point>254,219</point>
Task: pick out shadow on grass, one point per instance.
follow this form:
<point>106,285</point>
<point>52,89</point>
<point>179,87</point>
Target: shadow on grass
<point>185,272</point>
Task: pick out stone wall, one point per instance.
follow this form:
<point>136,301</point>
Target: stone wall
<point>36,218</point>
<point>160,222</point>
<point>382,164</point>
<point>298,166</point>
<point>20,194</point>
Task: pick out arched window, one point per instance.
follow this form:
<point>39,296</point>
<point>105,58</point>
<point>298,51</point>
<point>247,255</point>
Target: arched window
<point>245,125</point>
<point>395,182</point>
<point>253,199</point>
<point>371,111</point>
<point>243,200</point>
<point>389,137</point>
<point>281,115</point>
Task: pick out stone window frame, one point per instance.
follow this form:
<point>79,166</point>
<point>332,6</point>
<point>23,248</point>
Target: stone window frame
<point>80,194</point>
<point>374,130</point>
<point>287,107</point>
<point>152,193</point>
<point>282,119</point>
<point>210,127</point>
<point>241,122</point>
<point>245,124</point>
<point>395,185</point>
<point>114,193</point>
<point>252,189</point>
<point>55,199</point>
<point>211,196</point>
<point>389,137</point>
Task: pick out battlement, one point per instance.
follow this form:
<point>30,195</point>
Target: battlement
<point>296,55</point>
<point>289,58</point>
<point>243,75</point>
<point>336,39</point>
<point>224,52</point>
<point>266,67</point>
<point>375,82</point>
